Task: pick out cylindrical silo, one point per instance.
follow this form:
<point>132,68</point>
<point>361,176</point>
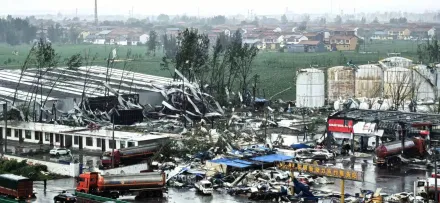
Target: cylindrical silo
<point>340,82</point>
<point>393,62</point>
<point>310,88</point>
<point>368,81</point>
<point>424,80</point>
<point>397,84</point>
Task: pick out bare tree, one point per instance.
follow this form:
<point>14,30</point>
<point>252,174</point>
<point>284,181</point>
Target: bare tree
<point>399,87</point>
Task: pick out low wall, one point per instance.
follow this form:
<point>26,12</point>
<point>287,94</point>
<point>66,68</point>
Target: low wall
<point>125,169</point>
<point>71,169</point>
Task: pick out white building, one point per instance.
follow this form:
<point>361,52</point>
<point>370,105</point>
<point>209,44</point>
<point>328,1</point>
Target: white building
<point>76,137</point>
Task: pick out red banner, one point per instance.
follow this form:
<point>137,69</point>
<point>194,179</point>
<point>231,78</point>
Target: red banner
<point>340,125</point>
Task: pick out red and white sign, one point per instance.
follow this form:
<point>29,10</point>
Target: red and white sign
<point>340,125</point>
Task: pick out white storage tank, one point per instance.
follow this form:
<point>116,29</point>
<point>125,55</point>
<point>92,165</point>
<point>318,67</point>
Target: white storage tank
<point>397,83</point>
<point>310,88</point>
<point>424,79</point>
<point>393,62</point>
<point>340,83</point>
<point>368,81</point>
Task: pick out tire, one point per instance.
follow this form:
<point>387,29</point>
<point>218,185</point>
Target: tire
<point>57,154</point>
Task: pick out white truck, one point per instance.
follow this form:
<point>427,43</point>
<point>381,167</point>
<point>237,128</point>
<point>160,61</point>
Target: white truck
<point>204,187</point>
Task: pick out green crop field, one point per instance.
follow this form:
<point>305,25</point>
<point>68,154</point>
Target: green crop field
<point>276,69</point>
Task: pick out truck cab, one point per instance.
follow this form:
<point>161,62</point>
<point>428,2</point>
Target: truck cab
<point>87,183</point>
<point>204,187</point>
<point>106,159</point>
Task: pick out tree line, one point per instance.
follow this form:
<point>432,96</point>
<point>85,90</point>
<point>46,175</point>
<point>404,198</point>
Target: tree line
<point>14,31</point>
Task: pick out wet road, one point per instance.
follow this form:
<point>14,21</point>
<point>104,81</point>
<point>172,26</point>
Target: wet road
<point>390,181</point>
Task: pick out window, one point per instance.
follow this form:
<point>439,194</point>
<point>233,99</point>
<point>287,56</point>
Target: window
<point>98,142</point>
<point>1,132</point>
<point>122,144</point>
<point>46,136</point>
<point>347,41</point>
<point>8,132</point>
<point>112,144</point>
<point>89,141</point>
<point>37,135</point>
<point>57,137</point>
<point>16,132</point>
<point>131,144</point>
<point>27,134</point>
<point>75,140</point>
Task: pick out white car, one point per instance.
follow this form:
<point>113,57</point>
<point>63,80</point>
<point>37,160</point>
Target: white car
<point>277,175</point>
<point>276,169</point>
<point>328,154</point>
<point>59,151</point>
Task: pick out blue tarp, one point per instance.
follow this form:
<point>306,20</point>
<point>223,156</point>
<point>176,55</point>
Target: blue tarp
<point>300,146</point>
<point>272,158</point>
<point>232,162</point>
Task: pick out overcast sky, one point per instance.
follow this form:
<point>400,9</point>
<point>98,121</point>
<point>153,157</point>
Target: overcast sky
<point>211,7</point>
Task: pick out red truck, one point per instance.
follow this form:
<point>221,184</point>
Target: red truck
<point>127,156</point>
<point>388,154</point>
<point>151,184</point>
<point>18,187</point>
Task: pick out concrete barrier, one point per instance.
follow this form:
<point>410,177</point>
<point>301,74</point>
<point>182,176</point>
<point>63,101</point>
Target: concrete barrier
<point>137,168</point>
<point>71,169</point>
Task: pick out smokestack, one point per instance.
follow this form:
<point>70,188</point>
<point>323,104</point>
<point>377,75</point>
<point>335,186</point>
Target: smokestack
<point>96,12</point>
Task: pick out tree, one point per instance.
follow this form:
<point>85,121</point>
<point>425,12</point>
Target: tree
<point>218,20</point>
<point>375,21</point>
<point>284,19</point>
<point>302,26</point>
<point>152,42</point>
<point>322,21</point>
<point>74,35</point>
<point>192,55</point>
<point>399,88</point>
<point>338,20</point>
<point>163,18</point>
<point>306,18</point>
<point>169,46</point>
<point>402,20</point>
<point>363,20</point>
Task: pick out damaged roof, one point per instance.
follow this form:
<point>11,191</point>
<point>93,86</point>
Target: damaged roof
<point>273,158</point>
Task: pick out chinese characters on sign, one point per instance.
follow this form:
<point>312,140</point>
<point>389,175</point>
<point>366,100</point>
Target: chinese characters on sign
<point>323,171</point>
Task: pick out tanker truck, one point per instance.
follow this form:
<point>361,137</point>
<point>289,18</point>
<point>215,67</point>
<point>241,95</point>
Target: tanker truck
<point>387,154</point>
<point>151,184</point>
<point>127,156</point>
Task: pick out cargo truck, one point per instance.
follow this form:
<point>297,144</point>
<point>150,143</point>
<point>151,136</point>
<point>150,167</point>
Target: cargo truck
<point>151,184</point>
<point>17,187</point>
<point>127,156</point>
<point>387,155</point>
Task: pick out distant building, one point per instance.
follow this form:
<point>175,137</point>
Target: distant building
<point>313,46</point>
<point>343,43</point>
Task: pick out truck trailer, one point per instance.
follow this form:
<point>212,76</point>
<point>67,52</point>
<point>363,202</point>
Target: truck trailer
<point>151,184</point>
<point>127,156</point>
<point>387,155</point>
<point>18,187</point>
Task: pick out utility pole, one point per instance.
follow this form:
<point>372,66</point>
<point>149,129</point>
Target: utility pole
<point>113,138</point>
<point>5,117</point>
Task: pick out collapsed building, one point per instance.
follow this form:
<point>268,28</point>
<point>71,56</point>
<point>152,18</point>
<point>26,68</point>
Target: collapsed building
<point>100,95</point>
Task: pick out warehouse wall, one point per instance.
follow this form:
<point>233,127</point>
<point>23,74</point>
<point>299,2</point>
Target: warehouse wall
<point>71,170</point>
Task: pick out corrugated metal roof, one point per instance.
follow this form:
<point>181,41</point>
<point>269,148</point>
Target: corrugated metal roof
<point>232,162</point>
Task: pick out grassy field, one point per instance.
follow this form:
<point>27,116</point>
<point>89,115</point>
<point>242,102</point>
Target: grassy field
<point>276,69</point>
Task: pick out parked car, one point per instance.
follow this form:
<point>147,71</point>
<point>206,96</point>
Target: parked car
<point>65,197</point>
<point>59,151</point>
<point>324,152</point>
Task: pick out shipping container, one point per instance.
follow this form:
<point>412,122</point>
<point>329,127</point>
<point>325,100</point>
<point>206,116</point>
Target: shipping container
<point>341,82</point>
<point>16,186</point>
<point>368,81</point>
<point>310,85</point>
